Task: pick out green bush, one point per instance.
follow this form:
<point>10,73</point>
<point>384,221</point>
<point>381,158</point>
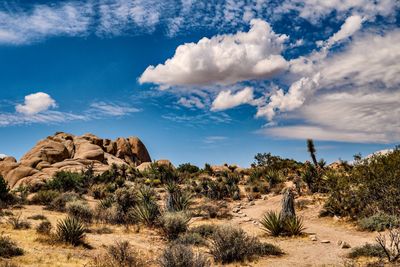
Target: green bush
<point>379,222</point>
<point>188,168</point>
<point>371,185</point>
<point>9,248</point>
<point>173,224</point>
<point>44,197</point>
<point>229,244</point>
<point>66,181</point>
<point>70,230</point>
<point>367,250</point>
<point>6,197</point>
<point>80,210</point>
<point>178,255</point>
<point>44,228</point>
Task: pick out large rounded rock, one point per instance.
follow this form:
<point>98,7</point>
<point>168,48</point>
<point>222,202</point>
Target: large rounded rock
<point>86,150</point>
<point>46,150</point>
<point>139,149</point>
<point>124,150</point>
<point>18,173</point>
<point>7,164</point>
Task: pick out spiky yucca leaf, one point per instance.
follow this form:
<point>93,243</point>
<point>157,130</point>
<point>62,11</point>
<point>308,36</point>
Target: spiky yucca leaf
<point>272,223</point>
<point>71,230</point>
<point>294,226</point>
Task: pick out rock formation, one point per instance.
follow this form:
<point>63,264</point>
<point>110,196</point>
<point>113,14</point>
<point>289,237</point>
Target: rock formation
<point>66,152</point>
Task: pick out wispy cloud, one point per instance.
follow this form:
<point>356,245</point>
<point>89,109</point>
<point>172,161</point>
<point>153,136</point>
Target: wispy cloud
<point>214,139</point>
<point>112,109</point>
<point>36,110</point>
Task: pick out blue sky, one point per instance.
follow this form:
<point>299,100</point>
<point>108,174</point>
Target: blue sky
<point>203,81</point>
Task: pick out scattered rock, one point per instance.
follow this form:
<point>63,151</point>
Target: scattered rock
<point>236,210</point>
<point>343,244</point>
<point>251,203</point>
<point>313,238</point>
<point>325,241</point>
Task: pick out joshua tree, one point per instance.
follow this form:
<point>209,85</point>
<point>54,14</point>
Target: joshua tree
<point>311,150</point>
<point>288,211</point>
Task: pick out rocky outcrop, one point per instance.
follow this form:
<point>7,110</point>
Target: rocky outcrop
<point>66,152</point>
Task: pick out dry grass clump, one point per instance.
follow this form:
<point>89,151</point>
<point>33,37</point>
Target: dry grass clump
<point>173,224</point>
<point>178,255</point>
<point>121,254</point>
<point>18,223</point>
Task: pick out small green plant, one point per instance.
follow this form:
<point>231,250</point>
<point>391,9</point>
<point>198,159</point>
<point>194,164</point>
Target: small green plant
<point>44,228</point>
<point>367,250</point>
<point>71,230</point>
<point>178,255</point>
<point>44,197</point>
<point>9,248</point>
<point>173,224</point>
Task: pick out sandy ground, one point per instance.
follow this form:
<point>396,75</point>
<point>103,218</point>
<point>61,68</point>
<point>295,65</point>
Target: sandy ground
<point>299,251</point>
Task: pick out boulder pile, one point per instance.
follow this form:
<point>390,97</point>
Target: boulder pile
<point>66,152</point>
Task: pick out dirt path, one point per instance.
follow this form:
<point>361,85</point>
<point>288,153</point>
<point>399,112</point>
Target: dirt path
<point>302,251</point>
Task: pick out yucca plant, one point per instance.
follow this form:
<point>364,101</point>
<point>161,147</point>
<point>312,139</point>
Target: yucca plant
<point>146,213</point>
<point>272,223</point>
<point>294,226</point>
<point>177,199</point>
<point>71,230</point>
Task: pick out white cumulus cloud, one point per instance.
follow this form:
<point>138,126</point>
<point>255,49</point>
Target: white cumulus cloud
<point>227,99</point>
<point>223,59</point>
<point>35,103</point>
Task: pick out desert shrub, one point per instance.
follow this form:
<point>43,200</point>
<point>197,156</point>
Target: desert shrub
<point>188,168</point>
<point>9,248</point>
<point>166,174</point>
<point>173,224</point>
<point>191,238</point>
<point>66,181</point>
<point>275,162</point>
<point>6,197</point>
<point>229,244</point>
<point>44,197</point>
<point>44,228</point>
<point>18,223</point>
<point>100,231</point>
<point>99,191</point>
<point>59,203</point>
<point>177,199</point>
<point>80,210</point>
<point>379,222</point>
<point>37,217</point>
<point>367,250</point>
<point>121,254</point>
<point>216,210</point>
<point>125,198</point>
<point>178,255</point>
<point>204,230</point>
<point>371,186</point>
<point>274,224</point>
<point>70,230</point>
